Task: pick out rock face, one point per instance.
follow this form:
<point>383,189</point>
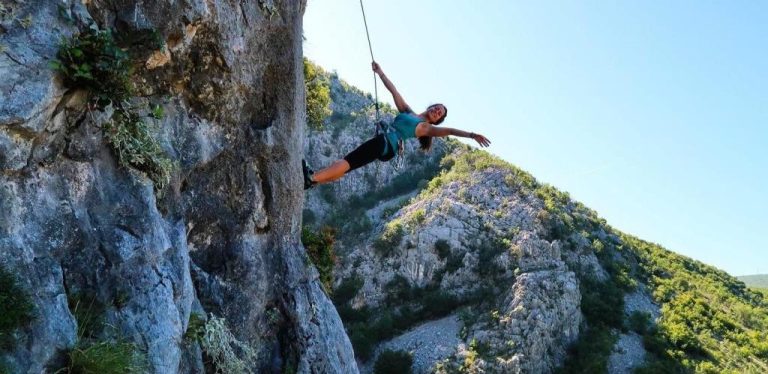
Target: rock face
<point>221,239</point>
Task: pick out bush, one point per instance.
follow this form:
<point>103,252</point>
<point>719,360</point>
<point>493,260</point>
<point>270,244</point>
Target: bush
<point>93,61</point>
<point>347,290</point>
<point>590,353</point>
<point>318,99</point>
<point>319,247</point>
<point>106,357</point>
<point>133,141</point>
<point>16,308</point>
<point>93,353</point>
<point>389,239</point>
<point>195,328</point>
<point>398,290</point>
<point>362,341</point>
<point>394,362</point>
<point>221,345</point>
<point>639,322</point>
<point>442,248</point>
<point>437,304</point>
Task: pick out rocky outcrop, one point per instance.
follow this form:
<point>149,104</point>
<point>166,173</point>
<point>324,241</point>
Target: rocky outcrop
<point>221,239</point>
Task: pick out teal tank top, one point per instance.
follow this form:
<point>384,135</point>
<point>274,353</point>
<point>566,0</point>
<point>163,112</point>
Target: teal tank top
<point>404,127</point>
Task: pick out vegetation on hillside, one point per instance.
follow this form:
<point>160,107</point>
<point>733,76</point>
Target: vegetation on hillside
<point>319,245</point>
<point>710,323</point>
<point>755,281</point>
<point>318,96</point>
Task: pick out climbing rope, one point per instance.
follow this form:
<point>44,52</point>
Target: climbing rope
<point>375,80</point>
<point>378,123</point>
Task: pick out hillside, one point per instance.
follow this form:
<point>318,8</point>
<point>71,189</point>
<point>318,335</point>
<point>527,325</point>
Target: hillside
<point>470,264</point>
<point>755,281</point>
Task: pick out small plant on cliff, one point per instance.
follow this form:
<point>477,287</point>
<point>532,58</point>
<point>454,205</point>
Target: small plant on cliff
<point>94,61</point>
<point>106,357</point>
<point>221,345</point>
<point>319,247</point>
<point>218,343</point>
<point>94,354</point>
<point>131,139</point>
<point>15,308</point>
<point>318,94</point>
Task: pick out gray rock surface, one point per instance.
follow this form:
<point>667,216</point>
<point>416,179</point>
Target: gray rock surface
<point>223,238</point>
<point>427,343</point>
<point>627,354</point>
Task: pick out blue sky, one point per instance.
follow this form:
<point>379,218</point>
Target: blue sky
<point>653,113</point>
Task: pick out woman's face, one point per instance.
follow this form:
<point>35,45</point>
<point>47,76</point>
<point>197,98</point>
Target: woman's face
<point>435,112</point>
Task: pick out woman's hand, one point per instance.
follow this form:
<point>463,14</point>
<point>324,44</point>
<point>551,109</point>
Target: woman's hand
<point>483,141</point>
<point>377,68</point>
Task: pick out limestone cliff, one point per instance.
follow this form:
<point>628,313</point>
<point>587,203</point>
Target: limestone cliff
<point>222,88</point>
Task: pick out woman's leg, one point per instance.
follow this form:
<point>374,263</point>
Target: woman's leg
<point>331,173</point>
<point>361,156</point>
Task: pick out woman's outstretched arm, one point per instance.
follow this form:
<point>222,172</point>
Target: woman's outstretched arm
<point>426,129</point>
<point>401,105</point>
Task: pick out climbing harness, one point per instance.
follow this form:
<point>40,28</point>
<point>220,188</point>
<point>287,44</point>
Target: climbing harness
<point>380,125</point>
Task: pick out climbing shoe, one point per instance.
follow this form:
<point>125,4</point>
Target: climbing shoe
<point>308,182</point>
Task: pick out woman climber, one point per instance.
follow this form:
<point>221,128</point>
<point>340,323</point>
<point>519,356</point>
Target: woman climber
<point>384,146</point>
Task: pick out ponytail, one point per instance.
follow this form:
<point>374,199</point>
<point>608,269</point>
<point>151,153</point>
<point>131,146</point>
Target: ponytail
<point>426,143</point>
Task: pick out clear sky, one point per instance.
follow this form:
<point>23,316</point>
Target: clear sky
<point>653,113</point>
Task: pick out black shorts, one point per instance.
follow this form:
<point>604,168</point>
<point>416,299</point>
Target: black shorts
<point>373,149</point>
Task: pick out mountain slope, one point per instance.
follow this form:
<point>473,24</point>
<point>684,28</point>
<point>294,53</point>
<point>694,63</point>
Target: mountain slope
<point>539,282</point>
<point>756,281</point>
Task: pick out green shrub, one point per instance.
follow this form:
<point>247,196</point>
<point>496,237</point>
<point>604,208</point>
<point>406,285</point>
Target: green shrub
<point>389,239</point>
<point>319,247</point>
<point>488,251</point>
<point>229,354</point>
<point>437,304</point>
<point>135,144</point>
<point>398,290</point>
<point>92,60</point>
<point>349,314</point>
<point>639,322</point>
<point>318,99</point>
<point>393,362</point>
<point>93,353</point>
<point>454,262</point>
<point>106,357</point>
<point>442,248</point>
<point>602,303</point>
<point>590,352</point>
<point>16,308</point>
<point>195,328</point>
<point>347,290</point>
<point>362,340</point>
